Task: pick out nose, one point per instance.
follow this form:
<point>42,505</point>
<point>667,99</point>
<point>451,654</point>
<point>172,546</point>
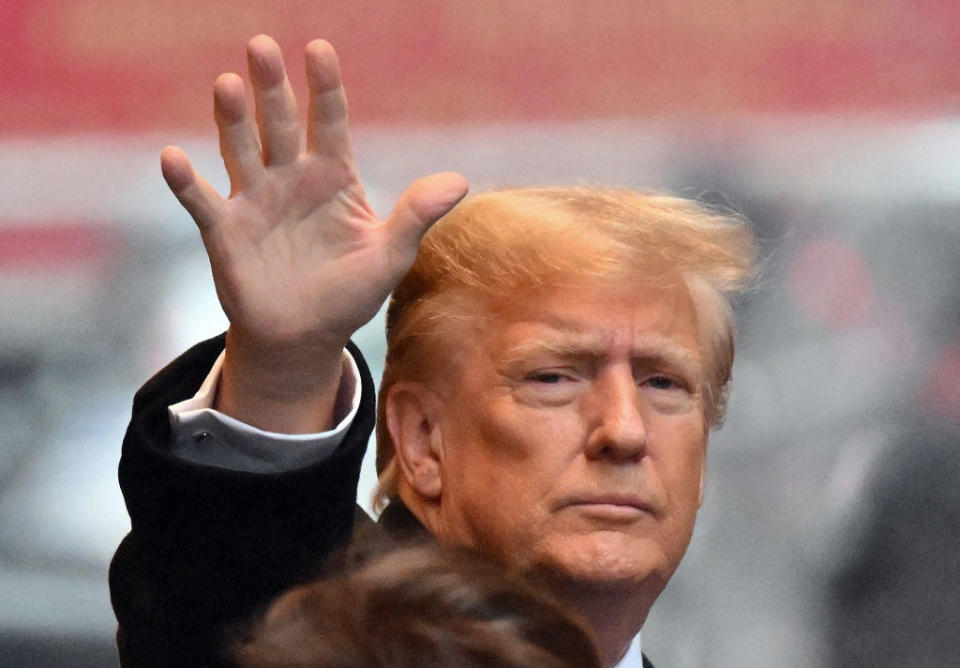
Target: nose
<point>618,430</point>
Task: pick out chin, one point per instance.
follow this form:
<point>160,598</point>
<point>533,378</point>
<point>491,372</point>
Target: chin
<point>604,558</point>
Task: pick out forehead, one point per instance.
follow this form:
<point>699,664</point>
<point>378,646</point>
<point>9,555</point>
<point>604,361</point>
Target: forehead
<point>597,321</point>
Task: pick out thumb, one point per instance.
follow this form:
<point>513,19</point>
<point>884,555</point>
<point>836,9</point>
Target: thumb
<point>198,197</point>
<point>422,204</point>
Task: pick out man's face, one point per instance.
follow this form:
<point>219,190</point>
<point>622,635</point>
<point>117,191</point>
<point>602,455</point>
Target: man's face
<point>575,437</point>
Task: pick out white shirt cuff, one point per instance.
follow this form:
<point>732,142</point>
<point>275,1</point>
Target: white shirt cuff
<point>205,436</point>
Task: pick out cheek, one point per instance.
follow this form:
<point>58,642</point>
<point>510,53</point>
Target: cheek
<point>680,455</point>
<point>507,440</point>
<point>504,473</point>
<point>494,511</point>
<point>499,474</point>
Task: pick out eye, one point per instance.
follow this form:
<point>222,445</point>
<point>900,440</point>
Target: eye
<point>662,383</point>
<point>547,377</point>
<point>549,387</point>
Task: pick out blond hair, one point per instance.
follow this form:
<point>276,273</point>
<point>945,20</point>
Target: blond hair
<point>500,244</point>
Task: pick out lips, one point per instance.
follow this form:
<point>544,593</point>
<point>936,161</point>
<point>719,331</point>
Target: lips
<point>624,502</point>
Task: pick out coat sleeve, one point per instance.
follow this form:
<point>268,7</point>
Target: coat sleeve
<point>209,546</point>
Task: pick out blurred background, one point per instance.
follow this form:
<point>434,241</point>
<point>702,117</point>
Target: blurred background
<point>830,535</point>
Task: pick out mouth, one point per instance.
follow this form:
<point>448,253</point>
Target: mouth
<point>614,505</point>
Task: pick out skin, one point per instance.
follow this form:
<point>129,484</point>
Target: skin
<point>299,259</point>
<point>573,442</point>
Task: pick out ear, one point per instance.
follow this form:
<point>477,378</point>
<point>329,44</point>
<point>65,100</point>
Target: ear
<point>412,413</point>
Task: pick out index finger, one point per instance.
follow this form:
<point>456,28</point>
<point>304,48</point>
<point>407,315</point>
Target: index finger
<point>327,130</point>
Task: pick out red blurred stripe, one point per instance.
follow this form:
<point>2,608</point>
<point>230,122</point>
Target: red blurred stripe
<point>114,65</point>
<point>56,246</point>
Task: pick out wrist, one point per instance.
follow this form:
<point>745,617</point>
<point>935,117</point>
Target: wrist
<point>289,389</point>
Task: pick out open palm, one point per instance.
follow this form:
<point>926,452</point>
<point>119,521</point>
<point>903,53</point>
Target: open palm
<point>299,260</point>
<point>298,256</point>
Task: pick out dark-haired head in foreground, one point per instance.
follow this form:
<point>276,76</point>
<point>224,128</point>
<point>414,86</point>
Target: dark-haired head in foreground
<point>418,606</point>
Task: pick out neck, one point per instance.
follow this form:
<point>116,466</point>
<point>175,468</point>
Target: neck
<point>615,614</point>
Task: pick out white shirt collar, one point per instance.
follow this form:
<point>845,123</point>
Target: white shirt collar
<point>634,656</point>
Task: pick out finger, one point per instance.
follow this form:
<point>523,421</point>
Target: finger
<point>327,132</point>
<point>238,136</point>
<point>276,104</point>
<point>197,196</point>
<point>421,205</point>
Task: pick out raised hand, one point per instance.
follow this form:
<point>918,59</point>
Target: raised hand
<point>299,259</point>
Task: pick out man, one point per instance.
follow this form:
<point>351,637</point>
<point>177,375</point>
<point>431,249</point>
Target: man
<point>556,358</point>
